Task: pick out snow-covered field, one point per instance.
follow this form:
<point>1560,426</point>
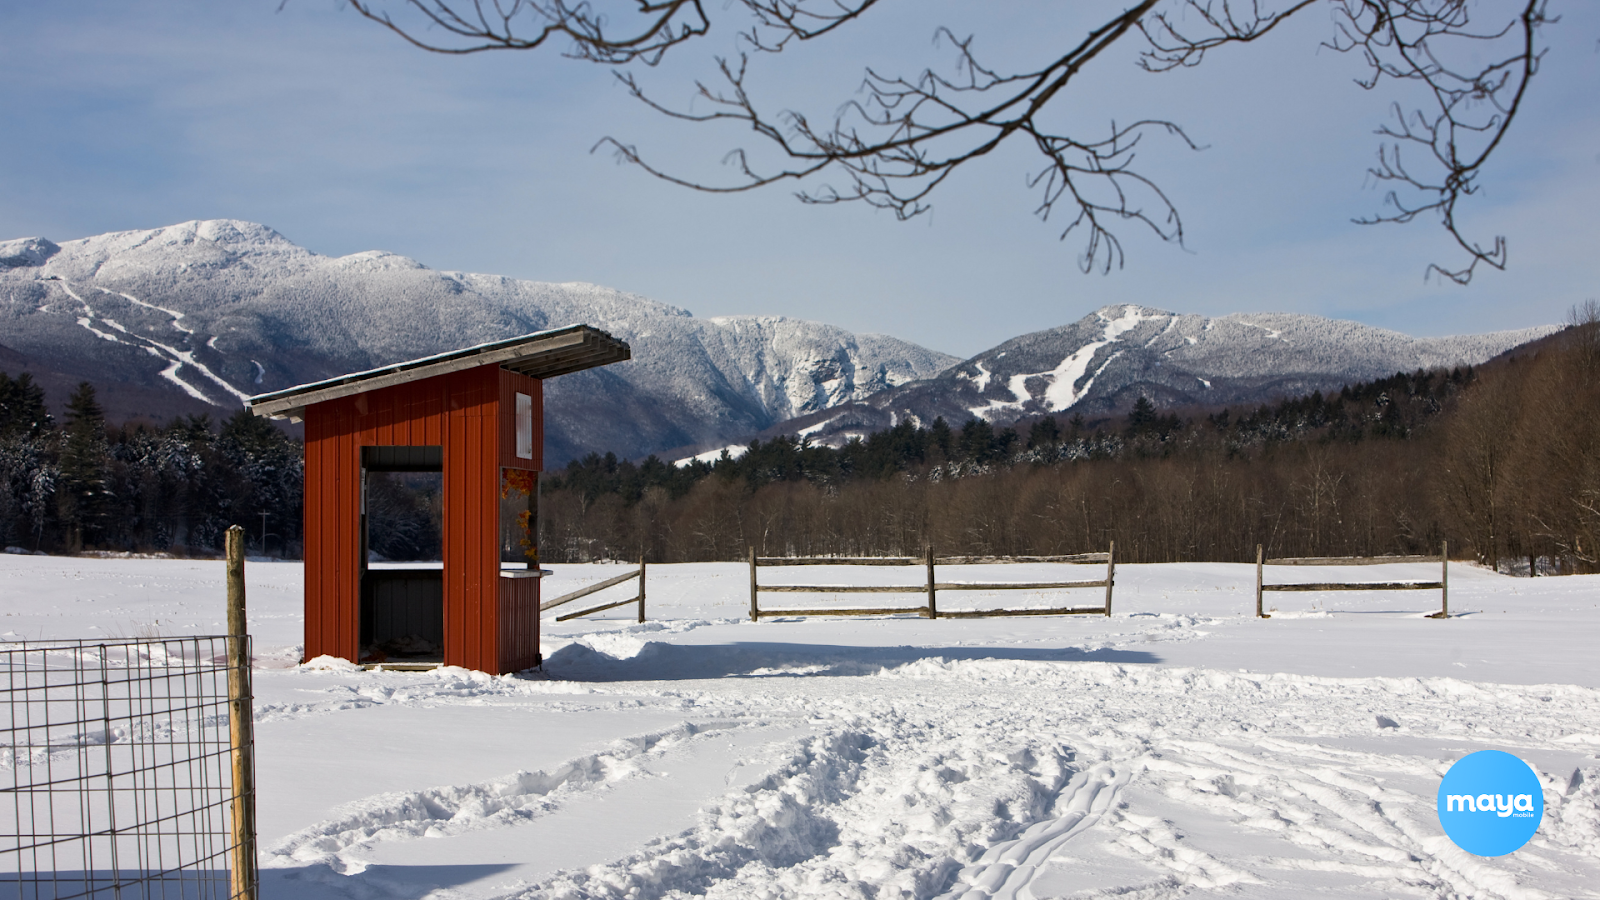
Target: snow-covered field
<point>1180,748</point>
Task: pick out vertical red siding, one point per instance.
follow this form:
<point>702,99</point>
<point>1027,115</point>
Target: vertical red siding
<point>317,463</point>
<point>519,598</point>
<point>512,384</point>
<point>331,510</point>
<point>472,415</point>
<point>519,622</point>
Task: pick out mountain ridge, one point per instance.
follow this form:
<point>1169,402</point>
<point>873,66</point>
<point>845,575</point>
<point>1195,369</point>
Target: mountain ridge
<point>197,316</point>
<point>1101,363</point>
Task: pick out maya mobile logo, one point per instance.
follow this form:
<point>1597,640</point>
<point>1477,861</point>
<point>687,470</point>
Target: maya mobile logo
<point>1501,805</point>
<point>1490,803</point>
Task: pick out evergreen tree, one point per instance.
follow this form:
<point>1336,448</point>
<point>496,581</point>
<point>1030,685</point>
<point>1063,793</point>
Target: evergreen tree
<point>22,409</point>
<point>978,442</point>
<point>26,476</point>
<point>940,438</point>
<point>1142,418</point>
<point>1045,433</point>
<point>268,473</point>
<point>85,467</point>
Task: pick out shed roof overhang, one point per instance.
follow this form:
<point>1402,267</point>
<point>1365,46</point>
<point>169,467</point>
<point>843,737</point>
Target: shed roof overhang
<point>543,354</point>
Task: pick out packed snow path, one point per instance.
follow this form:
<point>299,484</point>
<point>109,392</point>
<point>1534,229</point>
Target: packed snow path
<point>1177,749</point>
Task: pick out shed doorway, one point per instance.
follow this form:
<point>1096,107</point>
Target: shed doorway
<point>402,562</point>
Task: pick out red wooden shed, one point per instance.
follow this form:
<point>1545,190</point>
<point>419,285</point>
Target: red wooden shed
<point>476,417</point>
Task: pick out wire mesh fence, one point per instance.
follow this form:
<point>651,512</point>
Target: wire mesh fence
<point>116,763</point>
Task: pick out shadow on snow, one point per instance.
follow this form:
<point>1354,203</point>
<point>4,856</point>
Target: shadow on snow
<point>657,661</point>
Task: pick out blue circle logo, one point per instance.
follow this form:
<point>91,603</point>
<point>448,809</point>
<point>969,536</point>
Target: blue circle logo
<point>1490,803</point>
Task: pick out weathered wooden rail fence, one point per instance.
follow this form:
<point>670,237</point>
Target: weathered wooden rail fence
<point>930,587</point>
<point>1442,585</point>
<point>597,587</point>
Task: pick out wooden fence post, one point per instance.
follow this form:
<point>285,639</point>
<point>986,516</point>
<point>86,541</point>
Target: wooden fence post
<point>1260,558</point>
<point>755,611</point>
<point>1444,578</point>
<point>241,728</point>
<point>1111,573</point>
<point>641,587</point>
<point>933,605</point>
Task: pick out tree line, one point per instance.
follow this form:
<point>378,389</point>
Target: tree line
<point>1504,462</point>
<point>1382,409</point>
<point>85,485</point>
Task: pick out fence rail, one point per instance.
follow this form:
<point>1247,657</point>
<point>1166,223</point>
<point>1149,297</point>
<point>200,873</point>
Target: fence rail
<point>1442,585</point>
<point>930,586</point>
<point>582,592</point>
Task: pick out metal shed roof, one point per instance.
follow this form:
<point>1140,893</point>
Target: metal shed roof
<point>542,354</point>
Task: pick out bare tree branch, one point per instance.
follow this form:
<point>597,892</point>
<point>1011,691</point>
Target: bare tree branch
<point>1172,48</point>
<point>1470,111</point>
<point>902,138</point>
<point>460,27</point>
<point>780,21</point>
<point>891,145</point>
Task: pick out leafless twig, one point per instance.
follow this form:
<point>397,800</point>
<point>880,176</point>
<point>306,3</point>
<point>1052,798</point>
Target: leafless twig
<point>1469,110</point>
<point>903,137</point>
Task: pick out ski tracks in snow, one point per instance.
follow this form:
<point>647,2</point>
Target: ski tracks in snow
<point>457,809</point>
<point>990,779</point>
<point>1330,812</point>
<point>879,805</point>
<point>1006,871</point>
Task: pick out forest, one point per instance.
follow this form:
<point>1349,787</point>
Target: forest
<point>82,484</point>
<point>1502,461</point>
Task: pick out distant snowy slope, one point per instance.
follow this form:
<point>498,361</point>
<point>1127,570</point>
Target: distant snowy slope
<point>197,316</point>
<point>1107,359</point>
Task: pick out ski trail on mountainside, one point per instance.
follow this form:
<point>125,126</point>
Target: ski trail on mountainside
<point>1061,390</point>
<point>177,317</point>
<point>170,373</point>
<point>185,357</point>
<point>175,357</point>
<point>87,321</point>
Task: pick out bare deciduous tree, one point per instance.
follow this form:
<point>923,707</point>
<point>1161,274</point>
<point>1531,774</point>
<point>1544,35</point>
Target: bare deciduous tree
<point>896,143</point>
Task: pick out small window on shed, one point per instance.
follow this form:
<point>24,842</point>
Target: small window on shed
<point>519,517</point>
<point>524,426</point>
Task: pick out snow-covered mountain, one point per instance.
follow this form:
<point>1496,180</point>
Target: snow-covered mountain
<point>196,317</point>
<point>1107,359</point>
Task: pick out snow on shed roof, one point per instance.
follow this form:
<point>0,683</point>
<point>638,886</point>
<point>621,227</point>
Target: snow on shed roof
<point>542,354</point>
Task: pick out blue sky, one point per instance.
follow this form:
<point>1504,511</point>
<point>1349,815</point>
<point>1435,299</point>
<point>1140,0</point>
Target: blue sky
<point>306,118</point>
